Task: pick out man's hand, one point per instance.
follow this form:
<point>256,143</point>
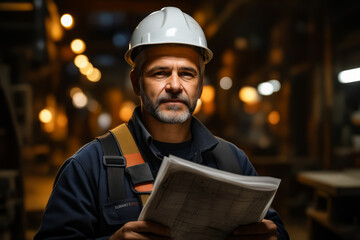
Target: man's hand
<point>142,230</point>
<point>265,230</point>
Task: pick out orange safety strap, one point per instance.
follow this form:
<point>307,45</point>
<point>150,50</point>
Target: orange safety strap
<point>132,156</point>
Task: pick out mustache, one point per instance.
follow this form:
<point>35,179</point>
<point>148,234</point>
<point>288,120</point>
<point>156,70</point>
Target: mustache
<point>173,97</point>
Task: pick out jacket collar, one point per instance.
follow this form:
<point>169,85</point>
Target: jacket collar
<point>202,138</point>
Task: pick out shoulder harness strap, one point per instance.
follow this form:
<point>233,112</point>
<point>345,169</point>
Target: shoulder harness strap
<point>225,157</point>
<point>128,155</point>
<point>122,155</point>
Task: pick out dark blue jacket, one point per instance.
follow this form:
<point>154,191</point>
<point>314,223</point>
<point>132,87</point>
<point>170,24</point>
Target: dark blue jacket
<point>78,207</point>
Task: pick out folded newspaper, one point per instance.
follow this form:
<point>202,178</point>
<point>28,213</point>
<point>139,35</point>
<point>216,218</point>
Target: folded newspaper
<point>199,202</point>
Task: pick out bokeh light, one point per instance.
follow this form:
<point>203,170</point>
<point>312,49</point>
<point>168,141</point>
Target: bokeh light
<point>208,94</point>
<point>94,75</point>
<point>81,61</point>
<point>226,83</point>
<point>274,117</point>
<point>104,120</point>
<point>126,110</point>
<point>78,46</point>
<point>265,88</point>
<point>249,95</point>
<point>67,21</point>
<point>276,84</point>
<point>45,115</point>
<point>79,100</point>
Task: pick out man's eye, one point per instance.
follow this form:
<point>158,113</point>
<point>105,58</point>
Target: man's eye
<point>187,75</point>
<point>159,74</point>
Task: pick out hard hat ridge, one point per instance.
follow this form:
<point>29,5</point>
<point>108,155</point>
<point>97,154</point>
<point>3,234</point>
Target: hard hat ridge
<point>167,26</point>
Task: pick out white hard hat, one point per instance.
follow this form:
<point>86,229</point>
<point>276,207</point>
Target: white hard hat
<point>168,26</point>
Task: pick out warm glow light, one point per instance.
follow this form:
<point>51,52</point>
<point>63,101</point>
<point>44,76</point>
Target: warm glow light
<point>198,106</point>
<point>248,95</point>
<point>67,21</point>
<point>16,6</point>
<point>49,128</point>
<point>54,29</point>
<point>349,76</point>
<point>265,88</point>
<point>274,117</point>
<point>78,46</point>
<point>87,69</point>
<point>94,76</point>
<point>241,43</point>
<point>79,100</point>
<point>45,115</point>
<point>74,90</point>
<point>61,120</point>
<point>208,108</point>
<point>251,108</point>
<point>226,83</point>
<point>355,118</point>
<point>208,94</point>
<point>126,111</point>
<point>81,61</point>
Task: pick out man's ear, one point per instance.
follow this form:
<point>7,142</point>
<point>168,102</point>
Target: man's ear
<point>135,81</point>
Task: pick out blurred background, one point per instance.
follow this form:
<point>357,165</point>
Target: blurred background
<point>283,86</point>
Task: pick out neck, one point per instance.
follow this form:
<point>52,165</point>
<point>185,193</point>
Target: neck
<point>165,132</point>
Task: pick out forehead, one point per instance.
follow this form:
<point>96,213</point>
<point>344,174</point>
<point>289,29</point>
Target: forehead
<point>174,53</point>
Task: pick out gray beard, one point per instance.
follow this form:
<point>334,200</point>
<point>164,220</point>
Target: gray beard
<point>153,108</point>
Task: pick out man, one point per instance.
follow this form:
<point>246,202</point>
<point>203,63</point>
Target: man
<point>168,53</point>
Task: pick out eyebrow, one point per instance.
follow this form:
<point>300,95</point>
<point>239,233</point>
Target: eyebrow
<point>190,69</point>
<point>157,68</point>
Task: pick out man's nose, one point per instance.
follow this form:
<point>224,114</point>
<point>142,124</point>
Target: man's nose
<point>173,83</point>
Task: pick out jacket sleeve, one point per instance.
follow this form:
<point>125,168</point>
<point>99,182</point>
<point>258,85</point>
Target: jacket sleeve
<point>71,212</point>
<point>248,169</point>
<point>281,231</point>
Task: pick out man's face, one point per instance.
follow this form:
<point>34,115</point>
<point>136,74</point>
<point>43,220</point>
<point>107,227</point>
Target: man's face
<point>170,84</point>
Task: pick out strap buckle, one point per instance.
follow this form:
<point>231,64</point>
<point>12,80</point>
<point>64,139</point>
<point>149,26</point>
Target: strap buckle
<point>114,161</point>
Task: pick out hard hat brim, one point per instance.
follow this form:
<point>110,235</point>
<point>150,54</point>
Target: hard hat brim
<point>131,54</point>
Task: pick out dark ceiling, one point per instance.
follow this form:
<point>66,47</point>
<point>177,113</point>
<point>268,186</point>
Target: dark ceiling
<point>97,22</point>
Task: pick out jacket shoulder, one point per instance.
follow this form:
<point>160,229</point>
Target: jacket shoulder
<point>246,168</point>
<point>88,158</point>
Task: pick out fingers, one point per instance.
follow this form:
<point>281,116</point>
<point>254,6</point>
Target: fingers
<point>252,237</point>
<point>264,230</point>
<point>264,227</point>
<point>147,227</point>
<point>142,230</point>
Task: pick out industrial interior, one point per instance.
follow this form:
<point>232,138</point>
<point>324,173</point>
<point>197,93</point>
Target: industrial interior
<point>284,86</point>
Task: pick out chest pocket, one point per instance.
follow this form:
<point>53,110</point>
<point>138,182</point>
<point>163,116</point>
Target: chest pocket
<point>120,212</point>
